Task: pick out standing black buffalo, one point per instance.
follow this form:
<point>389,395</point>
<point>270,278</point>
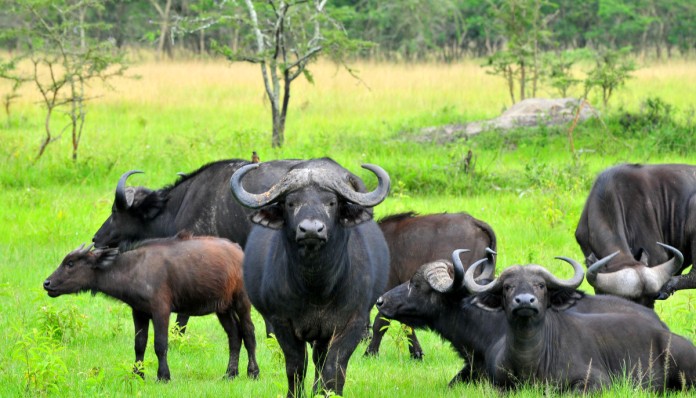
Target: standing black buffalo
<point>418,239</point>
<point>199,202</point>
<point>630,209</point>
<point>315,264</point>
<point>434,298</point>
<point>576,351</point>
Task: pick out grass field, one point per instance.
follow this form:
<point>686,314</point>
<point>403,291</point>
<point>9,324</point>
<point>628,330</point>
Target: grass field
<point>176,116</point>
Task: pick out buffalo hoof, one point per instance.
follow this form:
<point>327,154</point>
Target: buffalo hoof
<point>418,355</point>
<point>253,373</point>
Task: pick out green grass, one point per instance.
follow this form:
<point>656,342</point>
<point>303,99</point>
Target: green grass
<point>526,184</point>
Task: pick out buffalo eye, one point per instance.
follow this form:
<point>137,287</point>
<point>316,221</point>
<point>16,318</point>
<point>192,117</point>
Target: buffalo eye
<point>542,285</point>
<point>70,264</point>
<point>332,203</point>
<point>507,287</point>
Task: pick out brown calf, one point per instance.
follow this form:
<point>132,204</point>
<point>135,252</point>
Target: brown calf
<point>183,274</point>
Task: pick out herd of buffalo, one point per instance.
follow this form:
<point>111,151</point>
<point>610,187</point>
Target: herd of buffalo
<point>297,240</point>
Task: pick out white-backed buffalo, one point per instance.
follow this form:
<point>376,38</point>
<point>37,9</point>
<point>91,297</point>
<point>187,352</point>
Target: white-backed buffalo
<point>315,263</point>
<point>575,351</point>
<point>184,274</point>
<point>414,240</point>
<point>630,209</point>
<point>199,202</point>
<point>435,299</point>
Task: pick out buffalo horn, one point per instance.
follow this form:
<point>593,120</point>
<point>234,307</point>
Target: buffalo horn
<point>637,281</point>
<point>571,283</point>
<point>471,283</point>
<point>437,275</point>
<point>299,178</point>
<point>368,199</point>
<point>121,200</point>
<point>487,272</point>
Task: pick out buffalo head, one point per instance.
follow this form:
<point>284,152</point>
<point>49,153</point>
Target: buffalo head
<point>632,278</point>
<point>76,273</point>
<point>420,299</point>
<point>133,210</point>
<point>523,292</point>
<point>308,202</point>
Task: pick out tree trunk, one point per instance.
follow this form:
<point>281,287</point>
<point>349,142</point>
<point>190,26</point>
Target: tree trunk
<point>523,78</point>
<point>164,43</point>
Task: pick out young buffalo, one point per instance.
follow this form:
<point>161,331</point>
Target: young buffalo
<point>183,274</point>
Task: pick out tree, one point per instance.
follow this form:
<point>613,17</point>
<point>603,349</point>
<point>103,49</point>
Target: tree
<point>55,38</point>
<point>611,70</point>
<point>287,36</point>
<point>524,26</point>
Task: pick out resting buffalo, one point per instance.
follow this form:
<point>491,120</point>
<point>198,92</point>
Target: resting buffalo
<point>315,263</point>
<point>200,202</point>
<point>630,209</point>
<point>435,299</point>
<point>414,240</point>
<point>193,276</point>
<point>575,351</point>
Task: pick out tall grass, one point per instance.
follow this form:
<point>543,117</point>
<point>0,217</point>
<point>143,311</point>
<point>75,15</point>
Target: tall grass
<point>177,116</point>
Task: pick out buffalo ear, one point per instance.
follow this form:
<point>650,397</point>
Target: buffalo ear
<point>269,216</point>
<point>350,214</point>
<point>489,302</point>
<point>105,257</point>
<point>147,204</point>
<point>562,299</point>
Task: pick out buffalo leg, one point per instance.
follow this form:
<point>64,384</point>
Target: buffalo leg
<point>160,322</point>
<point>379,328</point>
<point>338,352</point>
<point>234,341</point>
<point>295,352</point>
<point>141,322</point>
<point>182,321</point>
<point>414,345</point>
<point>319,352</point>
<point>246,328</point>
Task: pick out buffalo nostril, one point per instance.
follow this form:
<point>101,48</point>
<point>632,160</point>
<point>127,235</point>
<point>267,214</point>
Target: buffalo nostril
<point>531,300</point>
<point>380,301</point>
<point>517,300</point>
<point>46,283</point>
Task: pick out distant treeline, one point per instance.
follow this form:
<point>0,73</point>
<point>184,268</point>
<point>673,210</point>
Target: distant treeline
<point>402,30</point>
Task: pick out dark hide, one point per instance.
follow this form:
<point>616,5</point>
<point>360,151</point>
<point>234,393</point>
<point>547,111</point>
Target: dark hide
<point>629,209</point>
<point>199,202</point>
<point>578,351</point>
<point>192,276</point>
<point>415,240</point>
<point>457,316</point>
<point>314,266</point>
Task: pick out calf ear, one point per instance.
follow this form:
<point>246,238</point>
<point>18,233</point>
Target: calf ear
<point>489,302</point>
<point>562,299</point>
<point>351,214</point>
<point>105,258</point>
<point>269,216</point>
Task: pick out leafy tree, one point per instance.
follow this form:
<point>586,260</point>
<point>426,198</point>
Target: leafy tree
<point>287,36</point>
<point>56,36</point>
<point>611,70</point>
<point>524,26</point>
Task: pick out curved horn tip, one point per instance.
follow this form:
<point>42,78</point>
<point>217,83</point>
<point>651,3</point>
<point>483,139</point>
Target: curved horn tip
<point>491,251</point>
<point>131,172</point>
<point>670,248</point>
<point>459,251</point>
